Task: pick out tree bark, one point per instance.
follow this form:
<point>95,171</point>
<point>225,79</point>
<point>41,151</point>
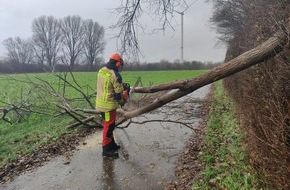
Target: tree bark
<point>268,49</point>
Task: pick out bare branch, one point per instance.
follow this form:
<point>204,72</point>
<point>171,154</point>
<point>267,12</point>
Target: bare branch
<point>88,119</point>
<point>188,125</point>
<point>77,87</point>
<point>129,25</point>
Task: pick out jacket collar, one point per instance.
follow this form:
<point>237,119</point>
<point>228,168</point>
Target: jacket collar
<point>112,65</point>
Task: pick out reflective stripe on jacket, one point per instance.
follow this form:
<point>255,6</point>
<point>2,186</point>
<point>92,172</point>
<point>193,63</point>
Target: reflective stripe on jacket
<point>107,88</point>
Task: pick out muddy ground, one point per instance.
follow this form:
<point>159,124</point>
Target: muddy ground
<point>154,155</point>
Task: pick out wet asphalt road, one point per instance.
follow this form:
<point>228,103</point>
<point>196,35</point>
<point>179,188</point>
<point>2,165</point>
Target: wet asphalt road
<point>146,160</point>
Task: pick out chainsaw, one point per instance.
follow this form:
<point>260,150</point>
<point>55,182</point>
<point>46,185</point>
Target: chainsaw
<point>128,91</point>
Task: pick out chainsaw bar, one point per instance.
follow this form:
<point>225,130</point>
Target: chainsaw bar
<point>134,86</point>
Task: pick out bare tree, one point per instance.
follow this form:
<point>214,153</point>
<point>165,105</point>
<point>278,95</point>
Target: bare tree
<point>20,51</point>
<point>39,54</point>
<point>93,41</point>
<point>129,26</point>
<point>72,31</point>
<point>46,38</point>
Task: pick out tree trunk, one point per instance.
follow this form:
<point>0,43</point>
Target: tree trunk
<point>252,57</point>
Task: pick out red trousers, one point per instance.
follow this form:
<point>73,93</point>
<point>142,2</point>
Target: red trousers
<point>109,119</point>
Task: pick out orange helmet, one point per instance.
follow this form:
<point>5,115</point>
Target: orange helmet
<point>117,57</point>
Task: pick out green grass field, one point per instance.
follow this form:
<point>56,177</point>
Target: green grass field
<point>38,130</point>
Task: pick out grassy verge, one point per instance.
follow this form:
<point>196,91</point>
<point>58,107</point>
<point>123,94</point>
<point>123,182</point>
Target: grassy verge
<point>223,154</point>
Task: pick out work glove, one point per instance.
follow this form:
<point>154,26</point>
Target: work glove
<point>125,95</point>
<point>126,86</point>
<point>126,91</point>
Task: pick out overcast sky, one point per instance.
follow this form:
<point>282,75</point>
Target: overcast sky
<point>16,17</point>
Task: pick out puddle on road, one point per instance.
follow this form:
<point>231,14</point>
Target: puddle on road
<point>146,161</point>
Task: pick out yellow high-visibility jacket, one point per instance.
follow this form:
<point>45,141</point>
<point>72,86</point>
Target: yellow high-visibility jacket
<point>108,87</point>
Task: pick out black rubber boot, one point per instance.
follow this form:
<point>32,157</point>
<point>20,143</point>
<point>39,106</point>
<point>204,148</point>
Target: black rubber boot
<point>115,146</point>
<point>109,151</point>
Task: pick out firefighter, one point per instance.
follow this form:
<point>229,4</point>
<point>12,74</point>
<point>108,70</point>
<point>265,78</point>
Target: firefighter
<point>111,93</point>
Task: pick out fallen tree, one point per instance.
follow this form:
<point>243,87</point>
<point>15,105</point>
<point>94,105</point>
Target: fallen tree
<point>269,48</point>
